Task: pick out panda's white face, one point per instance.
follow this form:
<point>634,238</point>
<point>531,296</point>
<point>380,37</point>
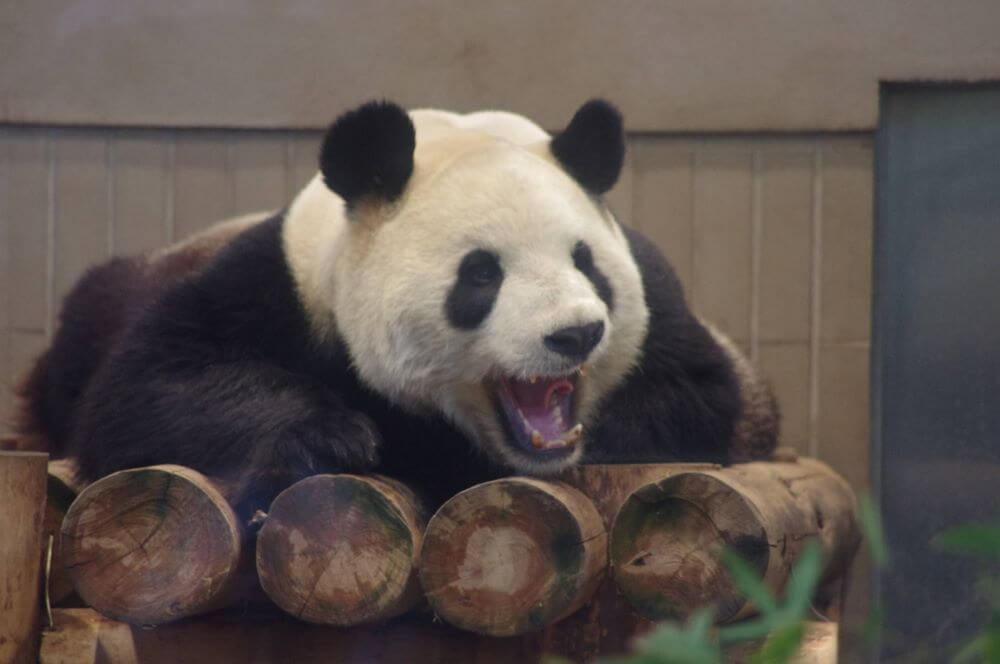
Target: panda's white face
<point>494,290</point>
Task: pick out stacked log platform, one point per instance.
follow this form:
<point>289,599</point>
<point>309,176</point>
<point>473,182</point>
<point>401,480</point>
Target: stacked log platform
<point>577,565</point>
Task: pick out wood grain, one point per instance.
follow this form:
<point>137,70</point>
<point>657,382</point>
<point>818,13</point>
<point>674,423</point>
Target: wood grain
<point>22,497</point>
<point>342,549</point>
<point>151,545</point>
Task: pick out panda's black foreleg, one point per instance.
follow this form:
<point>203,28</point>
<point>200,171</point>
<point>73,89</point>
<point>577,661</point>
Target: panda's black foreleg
<point>256,426</point>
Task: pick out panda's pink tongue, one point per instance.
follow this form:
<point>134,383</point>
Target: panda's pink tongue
<point>540,411</point>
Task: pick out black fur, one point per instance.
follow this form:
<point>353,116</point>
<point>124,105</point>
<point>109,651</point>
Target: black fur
<point>682,400</point>
<point>592,147</point>
<point>219,372</point>
<point>475,291</point>
<point>583,260</point>
<point>369,152</point>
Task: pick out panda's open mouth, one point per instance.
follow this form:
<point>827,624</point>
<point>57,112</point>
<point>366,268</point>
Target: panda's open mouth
<point>538,413</point>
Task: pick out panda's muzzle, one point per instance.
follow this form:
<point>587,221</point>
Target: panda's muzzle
<point>538,413</point>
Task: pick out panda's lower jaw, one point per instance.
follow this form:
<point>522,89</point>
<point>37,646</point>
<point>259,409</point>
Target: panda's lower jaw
<point>538,414</point>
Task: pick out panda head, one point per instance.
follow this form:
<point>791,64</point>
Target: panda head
<point>472,268</point>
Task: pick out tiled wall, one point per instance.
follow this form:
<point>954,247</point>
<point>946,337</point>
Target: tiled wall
<point>770,234</point>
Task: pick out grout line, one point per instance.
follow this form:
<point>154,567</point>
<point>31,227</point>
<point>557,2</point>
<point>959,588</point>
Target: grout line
<point>170,188</point>
<point>756,222</point>
<point>50,234</point>
<point>111,183</point>
<point>229,157</point>
<point>815,311</point>
<point>290,153</point>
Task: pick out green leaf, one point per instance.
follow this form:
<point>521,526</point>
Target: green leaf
<point>690,645</point>
<point>804,577</point>
<point>976,540</point>
<point>629,659</point>
<point>971,651</point>
<point>748,582</point>
<point>554,659</point>
<point>871,527</point>
<point>873,625</point>
<point>699,623</point>
<point>781,646</point>
<point>747,630</point>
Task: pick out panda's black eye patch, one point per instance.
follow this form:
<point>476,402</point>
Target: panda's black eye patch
<point>475,291</point>
<point>583,260</point>
<point>480,268</point>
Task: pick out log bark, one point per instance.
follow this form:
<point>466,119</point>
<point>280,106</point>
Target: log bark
<point>22,508</point>
<point>342,549</point>
<point>151,545</point>
<point>667,537</point>
<point>62,487</point>
<point>512,556</point>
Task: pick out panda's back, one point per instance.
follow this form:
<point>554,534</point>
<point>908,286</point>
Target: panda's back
<point>95,314</point>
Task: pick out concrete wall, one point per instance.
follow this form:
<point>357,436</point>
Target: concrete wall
<point>672,64</point>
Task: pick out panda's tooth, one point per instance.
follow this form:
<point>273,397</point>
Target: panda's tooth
<point>573,435</point>
<point>533,379</point>
<point>537,441</point>
<point>583,370</point>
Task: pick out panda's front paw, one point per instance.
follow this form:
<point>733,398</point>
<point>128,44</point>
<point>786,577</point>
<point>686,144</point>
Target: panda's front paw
<point>339,440</point>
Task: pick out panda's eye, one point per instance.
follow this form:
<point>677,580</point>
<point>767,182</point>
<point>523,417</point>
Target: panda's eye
<point>583,260</point>
<point>480,268</point>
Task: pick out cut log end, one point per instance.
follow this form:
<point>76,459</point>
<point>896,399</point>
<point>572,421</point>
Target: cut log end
<point>151,545</point>
<point>512,556</point>
<point>342,549</point>
<point>668,536</point>
<point>665,550</point>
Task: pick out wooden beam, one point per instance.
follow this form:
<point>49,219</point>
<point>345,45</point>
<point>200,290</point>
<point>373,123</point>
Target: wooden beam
<point>22,508</point>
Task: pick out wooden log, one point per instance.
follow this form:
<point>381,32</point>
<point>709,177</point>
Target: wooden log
<point>151,545</point>
<point>342,549</point>
<point>607,623</point>
<point>62,487</point>
<point>22,508</point>
<point>667,537</point>
<point>512,556</point>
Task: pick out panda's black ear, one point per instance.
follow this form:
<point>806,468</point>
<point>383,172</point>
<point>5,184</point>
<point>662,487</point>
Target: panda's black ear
<point>592,147</point>
<point>368,152</point>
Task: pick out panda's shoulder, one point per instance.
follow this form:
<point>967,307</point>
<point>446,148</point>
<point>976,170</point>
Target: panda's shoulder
<point>662,289</point>
<point>677,343</point>
<point>244,295</point>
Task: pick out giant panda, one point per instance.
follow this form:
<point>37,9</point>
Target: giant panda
<point>449,300</point>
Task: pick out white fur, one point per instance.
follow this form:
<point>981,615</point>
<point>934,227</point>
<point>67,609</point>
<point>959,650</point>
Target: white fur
<point>380,279</point>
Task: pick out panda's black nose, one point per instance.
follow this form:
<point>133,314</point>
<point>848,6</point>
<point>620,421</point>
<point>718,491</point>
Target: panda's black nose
<point>577,341</point>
